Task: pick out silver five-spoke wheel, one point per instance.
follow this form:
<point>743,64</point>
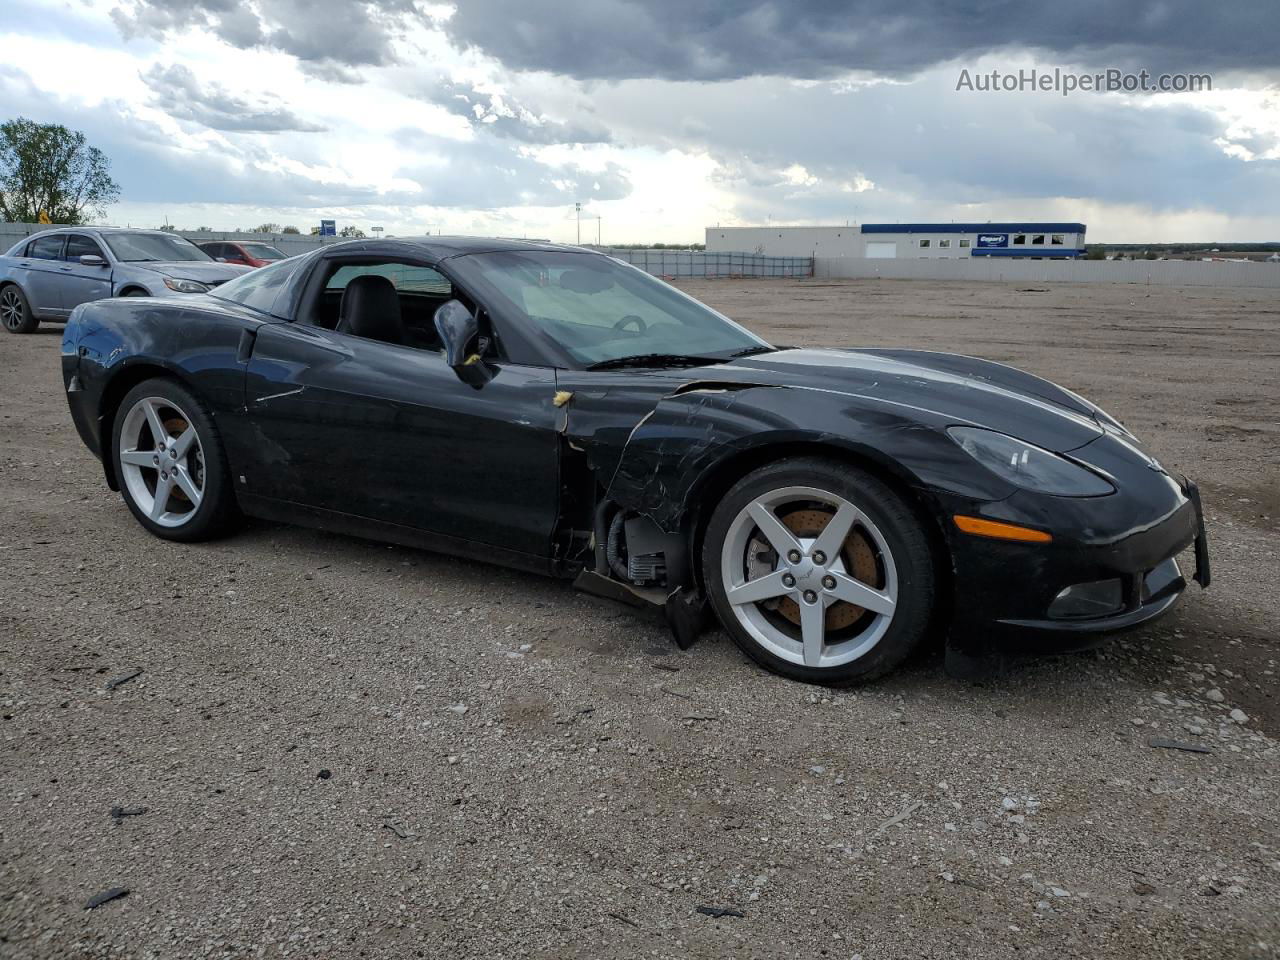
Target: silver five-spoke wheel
<point>809,576</point>
<point>162,461</point>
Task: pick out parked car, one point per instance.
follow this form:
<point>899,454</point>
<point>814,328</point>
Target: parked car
<point>553,409</point>
<point>245,252</point>
<point>48,274</point>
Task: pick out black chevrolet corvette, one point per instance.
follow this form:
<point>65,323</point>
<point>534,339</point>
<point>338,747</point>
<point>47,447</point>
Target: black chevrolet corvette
<point>553,409</point>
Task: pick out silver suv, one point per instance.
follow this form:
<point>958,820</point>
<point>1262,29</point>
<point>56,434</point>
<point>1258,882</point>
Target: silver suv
<point>48,274</point>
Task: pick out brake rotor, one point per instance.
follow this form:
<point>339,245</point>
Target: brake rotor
<point>175,426</point>
<point>859,562</point>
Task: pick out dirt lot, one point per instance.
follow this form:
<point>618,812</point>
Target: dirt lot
<point>346,750</point>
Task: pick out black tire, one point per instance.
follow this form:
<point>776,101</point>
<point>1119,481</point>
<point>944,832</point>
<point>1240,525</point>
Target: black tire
<point>15,312</point>
<point>135,293</point>
<point>903,530</point>
<point>217,514</point>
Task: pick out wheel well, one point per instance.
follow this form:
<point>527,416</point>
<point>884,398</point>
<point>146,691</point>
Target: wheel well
<point>116,388</point>
<point>712,488</point>
<point>129,288</point>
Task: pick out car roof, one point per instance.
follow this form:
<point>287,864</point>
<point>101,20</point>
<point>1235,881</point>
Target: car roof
<point>441,248</point>
<point>89,228</point>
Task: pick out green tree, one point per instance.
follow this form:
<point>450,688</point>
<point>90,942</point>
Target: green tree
<point>351,232</point>
<point>266,228</point>
<point>291,229</point>
<point>44,167</point>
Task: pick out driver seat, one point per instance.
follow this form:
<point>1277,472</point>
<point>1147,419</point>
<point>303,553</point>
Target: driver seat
<point>370,308</point>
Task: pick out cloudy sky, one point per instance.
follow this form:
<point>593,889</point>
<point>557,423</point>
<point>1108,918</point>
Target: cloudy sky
<point>660,117</point>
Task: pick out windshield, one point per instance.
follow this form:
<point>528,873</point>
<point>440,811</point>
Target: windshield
<point>599,309</point>
<point>262,251</point>
<point>141,247</point>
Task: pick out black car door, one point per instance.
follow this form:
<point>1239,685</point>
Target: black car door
<point>388,432</point>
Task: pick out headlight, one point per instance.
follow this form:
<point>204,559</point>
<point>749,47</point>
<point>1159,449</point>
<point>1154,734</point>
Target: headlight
<point>1028,466</point>
<point>185,286</point>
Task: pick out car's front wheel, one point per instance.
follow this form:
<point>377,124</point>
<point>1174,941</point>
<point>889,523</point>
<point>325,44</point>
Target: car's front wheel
<point>15,312</point>
<point>820,571</point>
<point>170,462</point>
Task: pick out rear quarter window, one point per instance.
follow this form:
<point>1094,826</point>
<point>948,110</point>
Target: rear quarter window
<point>261,289</point>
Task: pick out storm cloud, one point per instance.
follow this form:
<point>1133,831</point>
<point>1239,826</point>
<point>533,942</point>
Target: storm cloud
<point>178,93</point>
<point>331,34</point>
<point>702,40</point>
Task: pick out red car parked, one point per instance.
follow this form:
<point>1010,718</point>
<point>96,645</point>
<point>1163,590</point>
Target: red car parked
<point>249,253</point>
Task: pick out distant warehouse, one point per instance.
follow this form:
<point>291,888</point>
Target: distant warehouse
<point>905,240</point>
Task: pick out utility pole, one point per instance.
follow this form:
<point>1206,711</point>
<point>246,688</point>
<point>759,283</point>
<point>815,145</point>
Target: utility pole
<point>598,230</point>
<point>577,209</point>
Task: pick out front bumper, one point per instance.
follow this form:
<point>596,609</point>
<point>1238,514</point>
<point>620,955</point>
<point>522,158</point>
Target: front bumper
<point>1004,591</point>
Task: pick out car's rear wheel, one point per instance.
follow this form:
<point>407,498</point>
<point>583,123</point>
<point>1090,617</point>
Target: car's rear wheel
<point>15,312</point>
<point>819,571</point>
<point>171,464</point>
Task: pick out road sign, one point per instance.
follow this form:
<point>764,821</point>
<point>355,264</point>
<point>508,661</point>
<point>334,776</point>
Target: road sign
<point>328,228</point>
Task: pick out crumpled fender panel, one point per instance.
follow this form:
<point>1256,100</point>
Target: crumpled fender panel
<point>658,469</point>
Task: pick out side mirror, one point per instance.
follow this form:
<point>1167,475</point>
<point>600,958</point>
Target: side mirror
<point>458,329</point>
<point>92,260</point>
<point>221,259</point>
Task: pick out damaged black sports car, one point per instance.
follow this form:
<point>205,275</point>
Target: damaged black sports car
<point>553,409</point>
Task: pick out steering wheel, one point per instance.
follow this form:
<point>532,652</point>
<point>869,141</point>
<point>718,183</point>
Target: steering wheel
<point>641,326</point>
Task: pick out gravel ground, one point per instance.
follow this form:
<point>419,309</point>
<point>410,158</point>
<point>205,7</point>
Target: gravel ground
<point>350,750</point>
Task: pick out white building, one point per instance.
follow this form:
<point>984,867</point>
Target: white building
<point>905,240</point>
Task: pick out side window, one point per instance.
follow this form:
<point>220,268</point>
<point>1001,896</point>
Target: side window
<point>924,243</point>
<point>79,246</point>
<point>1038,240</point>
<point>964,242</point>
<point>407,278</point>
<point>1020,239</point>
<point>944,243</point>
<point>420,291</point>
<point>46,248</point>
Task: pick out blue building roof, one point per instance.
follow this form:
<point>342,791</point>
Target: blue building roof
<point>973,228</point>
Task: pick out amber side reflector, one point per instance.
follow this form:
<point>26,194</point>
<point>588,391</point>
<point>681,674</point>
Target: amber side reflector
<point>1001,531</point>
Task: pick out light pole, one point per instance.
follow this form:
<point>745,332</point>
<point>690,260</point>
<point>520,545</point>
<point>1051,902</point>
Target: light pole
<point>577,209</point>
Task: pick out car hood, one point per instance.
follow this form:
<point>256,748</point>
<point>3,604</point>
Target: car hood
<point>197,270</point>
<point>944,389</point>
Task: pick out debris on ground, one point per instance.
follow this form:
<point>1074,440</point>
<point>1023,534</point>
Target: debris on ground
<point>106,896</point>
<point>118,812</point>
<point>720,912</point>
<point>1178,745</point>
<point>121,681</point>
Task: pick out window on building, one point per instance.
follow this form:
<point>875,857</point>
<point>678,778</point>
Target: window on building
<point>1057,240</point>
<point>1038,240</point>
<point>924,243</point>
<point>1019,239</point>
<point>944,243</point>
<point>964,242</point>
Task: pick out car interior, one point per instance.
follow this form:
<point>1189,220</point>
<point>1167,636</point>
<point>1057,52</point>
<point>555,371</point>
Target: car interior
<point>387,301</point>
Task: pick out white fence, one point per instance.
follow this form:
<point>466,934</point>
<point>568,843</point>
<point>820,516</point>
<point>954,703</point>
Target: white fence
<point>1170,273</point>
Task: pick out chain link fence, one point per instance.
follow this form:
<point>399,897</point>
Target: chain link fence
<point>701,263</point>
<point>660,263</point>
